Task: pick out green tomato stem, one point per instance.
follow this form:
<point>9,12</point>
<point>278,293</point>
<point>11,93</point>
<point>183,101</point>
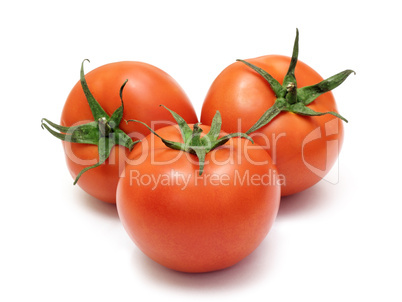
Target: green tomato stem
<point>293,99</point>
<point>193,142</point>
<point>104,131</point>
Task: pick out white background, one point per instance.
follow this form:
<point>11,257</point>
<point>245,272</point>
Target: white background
<point>333,242</point>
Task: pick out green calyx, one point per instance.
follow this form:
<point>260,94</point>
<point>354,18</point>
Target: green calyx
<point>193,142</point>
<point>104,131</point>
<point>293,99</point>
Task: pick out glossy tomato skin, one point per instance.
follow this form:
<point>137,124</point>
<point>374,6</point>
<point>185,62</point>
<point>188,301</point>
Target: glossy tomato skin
<point>146,89</point>
<point>193,223</point>
<point>303,148</point>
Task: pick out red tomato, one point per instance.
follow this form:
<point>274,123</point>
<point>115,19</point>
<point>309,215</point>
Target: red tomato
<point>147,87</point>
<point>194,223</point>
<point>304,148</point>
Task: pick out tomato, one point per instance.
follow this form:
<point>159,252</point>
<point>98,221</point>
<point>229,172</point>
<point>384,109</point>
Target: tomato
<point>147,86</point>
<point>304,148</point>
<point>197,223</point>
